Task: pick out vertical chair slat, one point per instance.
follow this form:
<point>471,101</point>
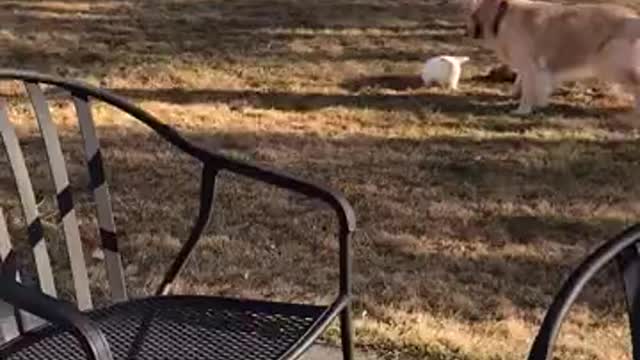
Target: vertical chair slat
<point>63,196</point>
<point>28,200</point>
<point>35,232</point>
<point>8,323</point>
<point>100,188</point>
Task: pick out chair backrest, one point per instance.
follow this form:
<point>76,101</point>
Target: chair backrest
<point>11,325</point>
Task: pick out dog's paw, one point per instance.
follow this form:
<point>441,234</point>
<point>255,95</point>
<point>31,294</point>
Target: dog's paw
<point>522,111</point>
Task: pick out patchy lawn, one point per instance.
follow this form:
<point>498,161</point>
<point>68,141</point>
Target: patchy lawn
<point>469,219</point>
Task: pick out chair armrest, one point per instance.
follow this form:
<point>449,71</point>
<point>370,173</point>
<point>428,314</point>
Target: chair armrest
<point>57,312</point>
<point>283,180</point>
<point>337,201</point>
<point>213,163</point>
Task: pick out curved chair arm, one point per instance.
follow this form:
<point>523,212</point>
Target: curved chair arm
<point>542,347</point>
<point>343,209</point>
<point>57,312</point>
<point>283,180</point>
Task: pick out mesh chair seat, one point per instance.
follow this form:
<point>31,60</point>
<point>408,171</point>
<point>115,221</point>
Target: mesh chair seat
<point>177,327</point>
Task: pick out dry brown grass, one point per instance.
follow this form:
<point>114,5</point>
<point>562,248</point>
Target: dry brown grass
<point>469,219</point>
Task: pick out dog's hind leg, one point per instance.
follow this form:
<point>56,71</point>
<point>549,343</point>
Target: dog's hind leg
<point>636,94</point>
<point>632,78</point>
<point>630,81</point>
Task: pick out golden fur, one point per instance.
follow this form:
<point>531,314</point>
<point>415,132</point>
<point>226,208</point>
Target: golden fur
<point>548,43</point>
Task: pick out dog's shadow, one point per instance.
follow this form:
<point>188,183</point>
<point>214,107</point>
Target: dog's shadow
<point>474,98</point>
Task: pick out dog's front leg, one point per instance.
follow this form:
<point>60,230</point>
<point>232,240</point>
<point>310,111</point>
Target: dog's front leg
<point>529,92</point>
<point>516,87</point>
<point>545,84</point>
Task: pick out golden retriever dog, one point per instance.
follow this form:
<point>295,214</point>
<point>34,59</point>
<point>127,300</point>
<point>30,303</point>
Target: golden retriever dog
<point>549,43</point>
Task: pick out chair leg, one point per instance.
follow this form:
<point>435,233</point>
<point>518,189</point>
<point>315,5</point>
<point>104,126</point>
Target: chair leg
<point>346,331</point>
<point>629,263</point>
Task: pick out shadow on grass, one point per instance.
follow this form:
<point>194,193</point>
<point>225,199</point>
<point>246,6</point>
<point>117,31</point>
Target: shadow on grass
<point>441,217</point>
<point>472,102</point>
<point>98,38</point>
<point>388,82</point>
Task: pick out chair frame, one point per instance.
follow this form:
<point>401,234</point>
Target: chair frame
<point>622,248</point>
<point>45,305</point>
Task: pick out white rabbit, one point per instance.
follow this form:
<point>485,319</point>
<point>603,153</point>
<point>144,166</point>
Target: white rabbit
<point>443,70</point>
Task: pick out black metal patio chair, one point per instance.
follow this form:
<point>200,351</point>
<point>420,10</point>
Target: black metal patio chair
<point>163,326</point>
<point>623,249</point>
